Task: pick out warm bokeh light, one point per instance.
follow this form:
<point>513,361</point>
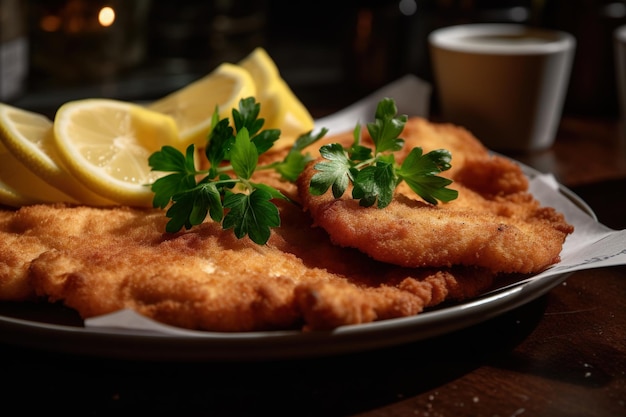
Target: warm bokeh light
<point>106,17</point>
<point>50,23</point>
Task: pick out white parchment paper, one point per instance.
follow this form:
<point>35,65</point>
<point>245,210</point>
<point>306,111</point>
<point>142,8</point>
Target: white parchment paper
<point>592,245</point>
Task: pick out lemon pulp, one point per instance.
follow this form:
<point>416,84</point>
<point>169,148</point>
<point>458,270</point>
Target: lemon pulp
<point>106,145</point>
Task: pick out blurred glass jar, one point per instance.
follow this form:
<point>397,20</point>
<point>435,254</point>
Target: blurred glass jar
<point>13,49</point>
<point>87,40</point>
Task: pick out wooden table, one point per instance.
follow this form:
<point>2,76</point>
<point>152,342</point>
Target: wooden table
<point>563,354</point>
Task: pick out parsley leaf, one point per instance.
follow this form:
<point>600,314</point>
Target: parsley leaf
<point>191,207</point>
<point>387,127</point>
<point>170,159</point>
<point>419,171</point>
<point>244,155</point>
<point>251,214</point>
<point>375,183</point>
<point>334,172</point>
<point>218,149</point>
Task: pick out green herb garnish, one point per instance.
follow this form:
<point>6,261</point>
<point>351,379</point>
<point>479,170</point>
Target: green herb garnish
<point>375,174</point>
<point>233,154</point>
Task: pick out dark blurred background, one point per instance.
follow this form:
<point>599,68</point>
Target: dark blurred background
<point>331,52</point>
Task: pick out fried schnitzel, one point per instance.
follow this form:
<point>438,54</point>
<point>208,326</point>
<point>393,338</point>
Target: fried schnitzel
<point>99,260</point>
<point>494,224</point>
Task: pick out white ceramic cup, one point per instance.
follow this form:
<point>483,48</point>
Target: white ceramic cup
<point>506,83</point>
<point>620,72</point>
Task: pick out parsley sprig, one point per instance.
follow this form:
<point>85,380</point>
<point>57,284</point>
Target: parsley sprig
<point>375,174</point>
<point>233,154</point>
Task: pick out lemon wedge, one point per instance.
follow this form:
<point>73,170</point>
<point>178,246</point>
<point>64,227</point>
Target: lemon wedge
<point>280,107</point>
<point>262,68</point>
<point>192,106</point>
<point>20,187</point>
<point>106,144</point>
<point>29,137</point>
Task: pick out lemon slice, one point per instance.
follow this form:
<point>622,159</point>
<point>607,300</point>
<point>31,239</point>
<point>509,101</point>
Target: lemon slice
<point>29,137</point>
<point>280,107</point>
<point>262,68</point>
<point>106,144</point>
<point>192,106</point>
<point>20,187</point>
